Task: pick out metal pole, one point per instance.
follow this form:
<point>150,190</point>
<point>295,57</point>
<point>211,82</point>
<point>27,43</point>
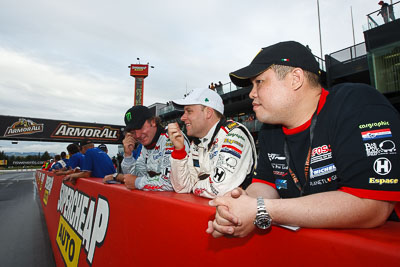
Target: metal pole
<point>352,25</point>
<point>319,23</point>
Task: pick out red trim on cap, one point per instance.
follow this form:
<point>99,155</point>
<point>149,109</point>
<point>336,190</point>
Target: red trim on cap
<point>372,194</point>
<point>299,129</point>
<point>255,180</point>
<point>179,154</point>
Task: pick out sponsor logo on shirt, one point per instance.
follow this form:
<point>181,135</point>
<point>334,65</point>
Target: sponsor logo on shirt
<point>373,180</point>
<point>199,191</point>
<point>374,124</point>
<point>323,181</point>
<point>273,156</point>
<point>219,175</point>
<point>279,173</point>
<point>231,162</point>
<point>322,171</point>
<point>376,134</point>
<point>281,184</point>
<point>384,148</point>
<point>236,135</point>
<point>231,141</point>
<point>213,154</point>
<point>382,166</point>
<point>321,153</point>
<point>278,166</point>
<point>231,150</point>
<point>215,191</point>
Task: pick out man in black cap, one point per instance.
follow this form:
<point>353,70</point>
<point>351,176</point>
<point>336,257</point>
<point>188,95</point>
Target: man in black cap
<point>96,163</point>
<point>152,169</point>
<point>103,147</point>
<point>327,159</point>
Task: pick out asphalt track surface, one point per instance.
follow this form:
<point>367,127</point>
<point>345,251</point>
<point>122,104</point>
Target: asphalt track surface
<point>24,240</point>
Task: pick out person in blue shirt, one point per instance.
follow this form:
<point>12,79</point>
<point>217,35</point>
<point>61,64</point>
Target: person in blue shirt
<point>75,161</point>
<point>58,164</point>
<point>96,163</point>
<point>64,157</point>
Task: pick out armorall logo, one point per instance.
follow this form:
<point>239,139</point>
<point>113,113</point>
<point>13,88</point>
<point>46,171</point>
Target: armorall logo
<point>66,130</point>
<point>23,126</point>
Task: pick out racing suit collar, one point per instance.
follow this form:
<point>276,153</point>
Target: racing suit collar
<point>155,138</point>
<point>209,136</point>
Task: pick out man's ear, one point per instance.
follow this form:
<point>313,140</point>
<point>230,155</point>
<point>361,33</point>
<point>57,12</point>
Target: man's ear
<point>297,78</point>
<point>153,123</point>
<point>209,112</point>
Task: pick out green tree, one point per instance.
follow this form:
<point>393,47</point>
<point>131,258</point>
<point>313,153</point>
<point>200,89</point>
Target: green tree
<point>2,155</point>
<point>45,156</point>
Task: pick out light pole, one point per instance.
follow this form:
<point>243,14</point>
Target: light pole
<point>319,24</point>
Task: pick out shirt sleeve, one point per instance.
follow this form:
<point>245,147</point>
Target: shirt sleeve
<point>263,172</point>
<point>128,165</point>
<point>156,175</point>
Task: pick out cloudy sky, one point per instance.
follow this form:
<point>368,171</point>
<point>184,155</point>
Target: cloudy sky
<point>68,60</point>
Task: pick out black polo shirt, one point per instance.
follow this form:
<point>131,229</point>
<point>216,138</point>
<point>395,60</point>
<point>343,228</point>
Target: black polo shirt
<point>354,148</point>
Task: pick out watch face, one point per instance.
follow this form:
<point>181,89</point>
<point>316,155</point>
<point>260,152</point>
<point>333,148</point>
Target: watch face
<point>265,224</point>
<point>263,221</point>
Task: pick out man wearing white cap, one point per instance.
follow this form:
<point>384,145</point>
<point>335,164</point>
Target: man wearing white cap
<point>222,155</point>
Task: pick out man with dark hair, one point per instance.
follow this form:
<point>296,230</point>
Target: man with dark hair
<point>152,168</point>
<point>64,157</point>
<point>75,161</point>
<point>222,155</point>
<point>103,147</point>
<point>327,159</point>
<point>60,162</point>
<point>95,164</point>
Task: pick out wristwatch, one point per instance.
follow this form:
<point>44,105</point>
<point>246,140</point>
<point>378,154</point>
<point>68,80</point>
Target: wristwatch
<point>115,175</point>
<point>263,220</point>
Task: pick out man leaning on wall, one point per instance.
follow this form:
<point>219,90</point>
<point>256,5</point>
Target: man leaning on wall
<point>222,155</point>
<point>151,170</point>
<point>328,159</point>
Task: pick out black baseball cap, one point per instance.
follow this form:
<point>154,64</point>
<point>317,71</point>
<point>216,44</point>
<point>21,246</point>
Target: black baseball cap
<point>288,53</point>
<point>136,116</point>
<point>85,142</point>
<point>103,147</point>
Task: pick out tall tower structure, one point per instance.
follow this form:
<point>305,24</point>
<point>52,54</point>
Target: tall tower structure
<point>139,72</point>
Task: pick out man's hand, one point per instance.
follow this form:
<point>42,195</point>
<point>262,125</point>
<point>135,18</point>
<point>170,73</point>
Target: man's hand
<point>176,136</point>
<point>70,178</point>
<point>108,178</point>
<point>129,143</point>
<point>129,180</point>
<point>225,218</point>
<point>240,212</point>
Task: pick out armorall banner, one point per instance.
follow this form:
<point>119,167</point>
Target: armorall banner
<point>32,129</point>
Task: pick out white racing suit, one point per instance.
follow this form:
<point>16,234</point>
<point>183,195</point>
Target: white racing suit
<point>153,166</point>
<point>221,161</point>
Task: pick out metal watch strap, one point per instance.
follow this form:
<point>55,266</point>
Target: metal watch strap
<point>261,210</point>
<point>263,220</point>
<point>115,175</point>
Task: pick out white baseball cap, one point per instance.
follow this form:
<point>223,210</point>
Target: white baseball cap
<point>205,97</point>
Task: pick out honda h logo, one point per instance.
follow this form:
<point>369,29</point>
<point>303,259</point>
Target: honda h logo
<point>382,166</point>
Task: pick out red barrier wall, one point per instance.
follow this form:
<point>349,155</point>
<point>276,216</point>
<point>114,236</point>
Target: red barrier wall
<point>109,225</point>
